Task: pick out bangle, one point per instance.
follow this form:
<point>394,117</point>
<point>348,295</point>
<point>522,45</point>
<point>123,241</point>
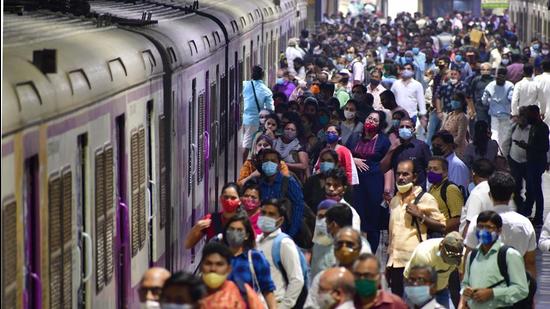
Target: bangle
<point>423,219</point>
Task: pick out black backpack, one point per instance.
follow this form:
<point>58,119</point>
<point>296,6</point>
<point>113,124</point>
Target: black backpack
<point>503,268</point>
<point>305,235</point>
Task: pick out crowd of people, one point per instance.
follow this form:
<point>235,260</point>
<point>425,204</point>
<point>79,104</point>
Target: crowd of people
<point>395,163</point>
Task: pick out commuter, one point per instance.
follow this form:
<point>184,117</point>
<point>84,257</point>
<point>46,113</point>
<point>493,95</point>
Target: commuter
<point>445,91</point>
<point>283,83</point>
<point>420,288</point>
<point>439,81</point>
<point>443,145</point>
<point>223,293</point>
<point>249,169</point>
<point>340,81</point>
<point>375,88</point>
<point>387,99</point>
<point>250,200</point>
<point>150,287</point>
<point>292,52</point>
<point>351,125</point>
<point>256,95</point>
<point>484,285</point>
<point>182,290</point>
<point>456,123</point>
<point>482,146</point>
<point>291,150</point>
<point>498,96</point>
<point>543,90</point>
<point>544,240</point>
<point>336,289</point>
<point>412,213</point>
<point>516,70</point>
<point>409,93</point>
<point>525,91</point>
<point>356,66</point>
<point>476,90</point>
<point>345,158</point>
<point>322,238</point>
<point>497,52</point>
<point>212,224</point>
<point>368,285</point>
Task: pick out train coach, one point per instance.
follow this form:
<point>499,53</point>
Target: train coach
<point>118,131</point>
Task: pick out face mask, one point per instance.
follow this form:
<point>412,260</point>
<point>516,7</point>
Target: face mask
<point>458,58</point>
<point>267,224</point>
<point>407,74</point>
<point>434,177</point>
<point>269,168</point>
<point>395,123</point>
<point>323,120</point>
<point>213,280</point>
<point>375,82</point>
<point>405,133</point>
<point>346,255</point>
<point>326,301</point>
<point>545,52</point>
<point>453,81</point>
<point>235,238</point>
<point>455,104</point>
<point>418,295</point>
<point>250,204</point>
<point>370,127</point>
<point>404,188</point>
<point>366,287</point>
<point>390,55</point>
<point>536,46</point>
<point>290,134</point>
<point>332,137</point>
<point>427,79</point>
<point>326,166</point>
<point>320,234</point>
<point>485,237</point>
<point>349,115</point>
<point>505,61</point>
<point>416,50</point>
<point>408,60</point>
<point>280,81</point>
<point>349,57</point>
<point>230,205</point>
<point>176,306</point>
<point>151,304</point>
<point>437,151</point>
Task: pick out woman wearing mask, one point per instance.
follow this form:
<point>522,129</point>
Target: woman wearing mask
<point>351,125</point>
<point>269,124</point>
<point>212,224</point>
<point>248,265</point>
<point>283,83</point>
<point>368,153</point>
<point>345,158</point>
<point>456,122</point>
<point>482,146</point>
<point>249,169</point>
<point>250,200</point>
<point>292,152</point>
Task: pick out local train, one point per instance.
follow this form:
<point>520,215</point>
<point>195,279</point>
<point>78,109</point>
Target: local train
<point>118,131</point>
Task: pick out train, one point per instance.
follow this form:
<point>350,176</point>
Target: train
<point>119,129</point>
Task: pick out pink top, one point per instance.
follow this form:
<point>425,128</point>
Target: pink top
<point>254,221</point>
<point>345,160</point>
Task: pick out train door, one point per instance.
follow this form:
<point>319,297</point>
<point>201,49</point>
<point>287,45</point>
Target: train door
<point>84,229</point>
<point>151,211</point>
<point>204,144</point>
<point>192,171</point>
<point>213,159</point>
<point>33,279</point>
<point>122,260</point>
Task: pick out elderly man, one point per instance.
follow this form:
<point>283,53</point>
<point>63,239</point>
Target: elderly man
<point>420,288</point>
<point>336,289</point>
<point>151,286</point>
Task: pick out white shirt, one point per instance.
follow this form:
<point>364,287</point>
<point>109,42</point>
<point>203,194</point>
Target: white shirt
<point>356,220</point>
<point>517,231</point>
<point>543,94</point>
<point>286,296</point>
<point>517,153</point>
<point>433,304</point>
<point>376,104</point>
<point>292,53</point>
<point>459,173</point>
<point>525,93</point>
<point>358,70</point>
<point>347,305</point>
<point>544,241</point>
<point>410,96</point>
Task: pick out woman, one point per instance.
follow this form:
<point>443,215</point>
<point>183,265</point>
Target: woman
<point>314,188</point>
<point>368,153</point>
<point>351,125</point>
<point>482,147</point>
<point>212,224</point>
<point>268,126</point>
<point>250,199</point>
<point>249,169</point>
<point>456,122</point>
<point>292,152</point>
<point>248,264</point>
<point>345,158</point>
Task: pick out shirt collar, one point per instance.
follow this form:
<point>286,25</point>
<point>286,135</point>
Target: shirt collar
<point>271,235</point>
<point>502,208</point>
<point>494,248</point>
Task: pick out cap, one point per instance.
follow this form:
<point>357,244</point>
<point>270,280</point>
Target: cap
<point>326,204</point>
<point>453,242</point>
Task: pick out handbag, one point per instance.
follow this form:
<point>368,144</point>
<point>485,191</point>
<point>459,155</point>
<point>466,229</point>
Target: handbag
<point>255,283</point>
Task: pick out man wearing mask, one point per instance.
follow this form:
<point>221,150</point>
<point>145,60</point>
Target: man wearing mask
<point>498,97</point>
<point>440,79</point>
<point>443,145</point>
<point>464,67</point>
<point>444,255</point>
<point>151,287</point>
<point>409,93</point>
<point>341,92</point>
<point>446,91</point>
<point>482,283</point>
<point>336,289</point>
<point>182,290</point>
<point>420,288</point>
<point>356,66</point>
<point>222,293</point>
<point>420,62</point>
<point>368,287</point>
<point>475,92</point>
<point>375,88</point>
<point>412,213</point>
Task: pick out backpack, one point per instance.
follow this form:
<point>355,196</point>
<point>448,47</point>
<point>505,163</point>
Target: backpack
<point>444,187</point>
<point>276,256</point>
<point>305,235</point>
<point>503,268</point>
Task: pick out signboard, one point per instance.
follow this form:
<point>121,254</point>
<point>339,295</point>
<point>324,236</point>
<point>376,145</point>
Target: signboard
<point>495,4</point>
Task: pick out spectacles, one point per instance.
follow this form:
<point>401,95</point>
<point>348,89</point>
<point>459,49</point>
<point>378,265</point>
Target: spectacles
<point>341,243</point>
<point>154,290</point>
<point>417,281</point>
<point>452,254</point>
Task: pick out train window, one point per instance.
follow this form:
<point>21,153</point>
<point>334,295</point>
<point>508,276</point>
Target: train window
<point>163,179</point>
<point>206,42</point>
<point>138,187</point>
<point>9,253</point>
<point>223,113</point>
<point>28,96</point>
<point>172,54</point>
<point>213,128</point>
<point>193,47</point>
<point>109,212</point>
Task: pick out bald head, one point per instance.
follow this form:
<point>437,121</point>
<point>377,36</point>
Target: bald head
<point>152,282</point>
<point>339,283</point>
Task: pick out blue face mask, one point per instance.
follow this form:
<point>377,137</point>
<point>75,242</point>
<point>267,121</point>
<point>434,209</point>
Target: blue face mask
<point>536,46</point>
<point>485,237</point>
<point>416,50</point>
<point>458,58</point>
<point>326,166</point>
<point>332,137</point>
<point>280,81</point>
<point>407,74</point>
<point>269,168</point>
<point>405,133</point>
<point>455,105</point>
<point>409,60</point>
<point>418,295</point>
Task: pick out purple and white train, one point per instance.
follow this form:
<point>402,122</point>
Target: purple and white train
<point>117,134</point>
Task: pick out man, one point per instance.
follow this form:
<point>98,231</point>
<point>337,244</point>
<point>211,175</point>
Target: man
<point>543,91</point>
<point>536,147</point>
<point>498,96</point>
<point>336,185</point>
<point>497,52</point>
<point>517,231</point>
<point>420,287</point>
<point>271,186</point>
<point>463,66</point>
<point>411,215</point>
<point>292,52</point>
<point>369,292</point>
<point>444,255</point>
<point>283,84</point>
<point>409,93</point>
<point>443,145</point>
<point>151,286</point>
<point>476,90</point>
<point>525,91</point>
<point>408,147</point>
<point>419,62</point>
<point>375,88</point>
<point>448,195</point>
<point>182,289</point>
<point>440,79</point>
<point>446,91</point>
<point>483,283</point>
<point>356,67</point>
<point>336,289</point>
<point>256,96</point>
<point>544,241</point>
<point>341,91</point>
<point>515,70</point>
<point>287,276</point>
<point>215,266</point>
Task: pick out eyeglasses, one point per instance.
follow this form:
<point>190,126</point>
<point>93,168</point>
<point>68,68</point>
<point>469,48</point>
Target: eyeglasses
<point>417,281</point>
<point>154,290</point>
<point>341,243</point>
<point>452,254</point>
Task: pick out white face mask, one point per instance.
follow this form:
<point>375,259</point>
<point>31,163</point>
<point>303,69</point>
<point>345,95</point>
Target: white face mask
<point>349,115</point>
<point>150,304</point>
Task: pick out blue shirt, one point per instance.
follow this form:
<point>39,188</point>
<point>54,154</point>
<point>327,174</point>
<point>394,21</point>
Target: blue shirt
<point>265,100</point>
<point>499,99</point>
<point>240,270</point>
<point>294,194</point>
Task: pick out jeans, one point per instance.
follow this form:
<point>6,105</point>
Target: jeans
<point>434,123</point>
<point>519,172</point>
<point>535,169</point>
<point>442,297</point>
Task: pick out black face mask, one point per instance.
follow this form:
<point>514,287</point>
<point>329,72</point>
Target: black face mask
<point>437,151</point>
<point>375,82</point>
